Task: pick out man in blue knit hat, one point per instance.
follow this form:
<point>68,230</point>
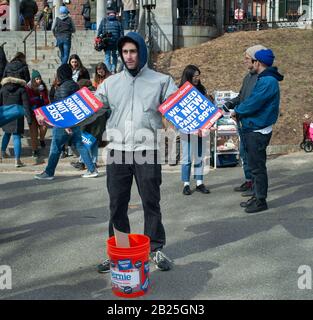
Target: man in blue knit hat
<point>256,116</point>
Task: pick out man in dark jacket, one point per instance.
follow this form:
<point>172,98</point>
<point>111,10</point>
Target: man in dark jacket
<point>257,114</point>
<point>111,28</point>
<point>28,9</point>
<point>248,85</point>
<point>86,13</point>
<point>60,136</point>
<point>63,28</point>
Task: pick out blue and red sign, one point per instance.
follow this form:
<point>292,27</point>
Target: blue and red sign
<point>72,110</point>
<point>189,110</point>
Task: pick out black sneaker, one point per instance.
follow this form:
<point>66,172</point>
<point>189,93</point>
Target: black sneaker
<point>162,262</point>
<point>245,204</point>
<point>78,165</point>
<point>42,144</point>
<point>248,193</point>
<point>104,267</point>
<point>203,189</point>
<point>257,206</point>
<point>244,187</point>
<point>35,154</point>
<point>186,191</point>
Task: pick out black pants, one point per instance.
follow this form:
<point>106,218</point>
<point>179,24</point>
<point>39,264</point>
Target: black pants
<point>148,179</point>
<point>256,144</point>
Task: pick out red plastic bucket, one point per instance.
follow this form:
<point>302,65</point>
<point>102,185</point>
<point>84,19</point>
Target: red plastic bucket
<point>130,266</point>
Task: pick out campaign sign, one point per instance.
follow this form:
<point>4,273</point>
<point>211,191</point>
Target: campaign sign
<point>69,112</point>
<point>88,140</point>
<point>189,110</point>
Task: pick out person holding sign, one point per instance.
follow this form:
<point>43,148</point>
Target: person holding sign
<point>256,115</point>
<point>192,143</point>
<point>133,97</point>
<point>60,136</point>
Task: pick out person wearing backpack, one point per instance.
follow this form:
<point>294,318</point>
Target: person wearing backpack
<point>86,10</point>
<point>63,28</point>
<point>111,29</point>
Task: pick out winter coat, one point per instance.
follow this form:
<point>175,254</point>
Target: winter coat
<point>13,92</point>
<point>64,90</point>
<point>261,109</point>
<point>129,5</point>
<point>83,74</point>
<point>46,18</point>
<point>114,5</point>
<point>63,27</point>
<point>113,26</point>
<point>37,98</point>
<point>86,11</point>
<point>247,87</point>
<point>138,105</point>
<point>3,61</point>
<point>28,8</point>
<point>17,69</point>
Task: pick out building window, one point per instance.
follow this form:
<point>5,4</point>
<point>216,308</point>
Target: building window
<point>196,12</point>
<point>290,9</point>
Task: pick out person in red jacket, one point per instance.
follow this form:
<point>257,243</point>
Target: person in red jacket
<point>38,95</point>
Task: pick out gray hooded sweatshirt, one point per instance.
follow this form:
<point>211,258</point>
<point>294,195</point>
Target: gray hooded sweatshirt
<point>134,99</point>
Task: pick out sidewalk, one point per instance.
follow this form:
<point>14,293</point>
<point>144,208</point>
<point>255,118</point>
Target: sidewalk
<point>53,234</point>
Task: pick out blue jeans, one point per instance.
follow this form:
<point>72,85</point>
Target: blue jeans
<point>192,150</point>
<point>111,63</point>
<point>16,143</point>
<point>65,48</point>
<point>129,19</point>
<point>93,152</point>
<point>59,138</point>
<point>244,157</point>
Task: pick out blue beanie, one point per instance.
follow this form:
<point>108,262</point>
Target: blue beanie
<point>265,56</point>
<point>63,10</point>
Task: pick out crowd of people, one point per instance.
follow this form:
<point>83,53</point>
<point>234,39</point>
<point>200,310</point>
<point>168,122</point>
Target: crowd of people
<point>133,95</point>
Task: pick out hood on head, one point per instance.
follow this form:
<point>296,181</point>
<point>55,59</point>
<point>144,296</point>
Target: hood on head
<point>136,38</point>
<point>13,82</point>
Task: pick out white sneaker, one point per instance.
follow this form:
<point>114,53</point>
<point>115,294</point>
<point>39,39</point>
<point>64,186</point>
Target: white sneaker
<point>19,163</point>
<point>89,174</point>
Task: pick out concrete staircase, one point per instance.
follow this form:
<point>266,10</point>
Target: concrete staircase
<point>47,57</point>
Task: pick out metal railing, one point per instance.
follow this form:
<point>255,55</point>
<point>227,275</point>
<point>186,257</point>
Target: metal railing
<point>264,25</point>
<point>25,39</point>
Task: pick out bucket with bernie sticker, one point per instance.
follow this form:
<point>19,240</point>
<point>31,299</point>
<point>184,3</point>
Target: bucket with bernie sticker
<point>130,266</point>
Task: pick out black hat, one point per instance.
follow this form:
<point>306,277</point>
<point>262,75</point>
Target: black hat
<point>64,73</point>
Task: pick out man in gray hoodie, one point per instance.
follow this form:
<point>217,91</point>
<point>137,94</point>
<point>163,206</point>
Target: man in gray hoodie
<point>133,97</point>
<point>248,85</point>
<point>63,28</point>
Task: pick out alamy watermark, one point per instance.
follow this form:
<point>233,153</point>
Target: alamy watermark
<point>169,144</point>
<point>305,279</point>
<point>5,277</point>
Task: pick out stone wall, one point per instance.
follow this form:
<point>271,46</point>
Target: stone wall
<point>75,8</point>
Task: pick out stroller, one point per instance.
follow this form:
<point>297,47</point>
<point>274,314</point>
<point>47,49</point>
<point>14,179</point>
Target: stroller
<point>307,143</point>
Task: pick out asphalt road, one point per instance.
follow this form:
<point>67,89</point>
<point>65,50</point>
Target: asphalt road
<point>52,235</point>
